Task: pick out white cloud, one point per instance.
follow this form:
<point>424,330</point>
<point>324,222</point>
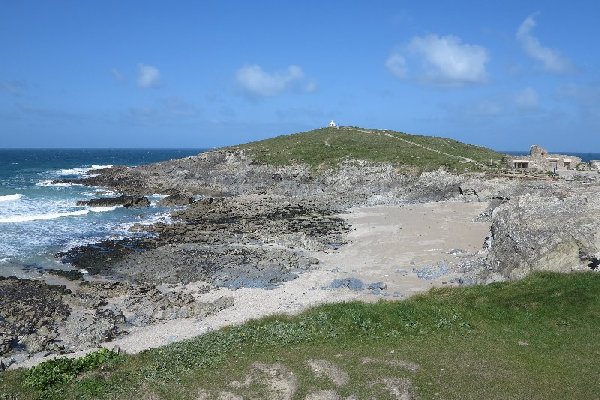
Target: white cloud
<point>448,61</point>
<point>527,99</point>
<point>148,76</point>
<point>396,64</point>
<point>550,59</point>
<point>255,81</point>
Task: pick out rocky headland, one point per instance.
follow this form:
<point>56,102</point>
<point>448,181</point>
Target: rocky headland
<point>244,221</point>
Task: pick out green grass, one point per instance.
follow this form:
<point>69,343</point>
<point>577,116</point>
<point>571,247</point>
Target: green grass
<point>328,147</point>
<point>533,339</point>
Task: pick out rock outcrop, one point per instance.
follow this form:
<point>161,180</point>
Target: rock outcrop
<point>39,318</point>
<point>536,232</point>
<point>125,201</point>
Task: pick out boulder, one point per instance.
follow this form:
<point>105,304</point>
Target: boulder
<point>537,232</point>
<point>125,201</point>
<point>178,199</point>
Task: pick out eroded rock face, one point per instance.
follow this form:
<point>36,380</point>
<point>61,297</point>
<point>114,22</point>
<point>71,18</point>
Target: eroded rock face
<point>39,318</point>
<point>91,327</point>
<point>30,314</point>
<point>231,173</point>
<point>147,305</point>
<point>538,232</point>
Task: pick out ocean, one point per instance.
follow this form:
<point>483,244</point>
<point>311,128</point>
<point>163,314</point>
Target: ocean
<point>39,218</point>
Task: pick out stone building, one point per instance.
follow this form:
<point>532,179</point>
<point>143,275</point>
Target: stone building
<point>540,159</point>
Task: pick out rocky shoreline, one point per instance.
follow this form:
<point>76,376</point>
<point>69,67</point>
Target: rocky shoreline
<point>239,224</point>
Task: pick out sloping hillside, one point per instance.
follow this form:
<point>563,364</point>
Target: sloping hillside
<point>330,146</point>
<point>533,339</point>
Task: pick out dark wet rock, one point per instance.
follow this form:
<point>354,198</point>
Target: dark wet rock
<point>257,219</point>
<point>104,289</point>
<point>72,275</point>
<point>229,266</point>
<point>349,283</point>
<point>30,313</point>
<point>97,258</point>
<point>7,342</point>
<point>178,199</point>
<point>125,201</point>
<point>377,286</point>
<point>220,241</point>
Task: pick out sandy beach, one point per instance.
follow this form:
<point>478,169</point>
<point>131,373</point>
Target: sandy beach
<point>384,245</point>
<point>387,246</point>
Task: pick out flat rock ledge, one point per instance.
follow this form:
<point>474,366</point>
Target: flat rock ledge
<point>37,318</point>
<point>125,201</point>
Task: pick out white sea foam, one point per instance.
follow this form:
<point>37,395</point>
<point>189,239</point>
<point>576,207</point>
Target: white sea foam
<point>155,198</point>
<point>73,171</point>
<point>11,197</point>
<point>164,218</point>
<point>95,239</point>
<point>41,217</point>
<point>50,182</point>
<point>103,209</point>
<point>94,166</point>
<point>82,170</point>
<point>4,260</point>
<point>107,193</point>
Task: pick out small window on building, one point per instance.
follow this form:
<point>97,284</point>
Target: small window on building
<point>521,164</point>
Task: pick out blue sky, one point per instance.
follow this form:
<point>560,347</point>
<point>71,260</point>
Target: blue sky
<point>211,73</point>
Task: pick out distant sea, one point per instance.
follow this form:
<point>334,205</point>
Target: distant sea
<point>584,156</point>
<point>39,218</point>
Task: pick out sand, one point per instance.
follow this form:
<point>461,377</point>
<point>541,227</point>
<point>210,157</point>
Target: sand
<point>385,244</point>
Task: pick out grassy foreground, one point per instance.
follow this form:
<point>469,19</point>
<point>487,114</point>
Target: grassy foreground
<point>328,147</point>
<point>534,339</point>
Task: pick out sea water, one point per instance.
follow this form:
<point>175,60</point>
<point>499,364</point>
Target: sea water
<point>39,218</point>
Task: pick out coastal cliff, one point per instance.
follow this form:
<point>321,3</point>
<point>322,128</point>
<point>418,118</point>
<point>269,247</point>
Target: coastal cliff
<point>262,214</point>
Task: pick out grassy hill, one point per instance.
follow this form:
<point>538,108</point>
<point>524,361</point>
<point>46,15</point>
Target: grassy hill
<point>533,339</point>
<point>328,147</point>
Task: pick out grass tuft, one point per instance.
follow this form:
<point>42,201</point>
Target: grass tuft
<point>535,339</point>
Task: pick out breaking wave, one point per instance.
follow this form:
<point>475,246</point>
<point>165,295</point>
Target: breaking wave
<point>11,219</point>
<point>50,182</point>
<point>40,217</point>
<point>11,197</point>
